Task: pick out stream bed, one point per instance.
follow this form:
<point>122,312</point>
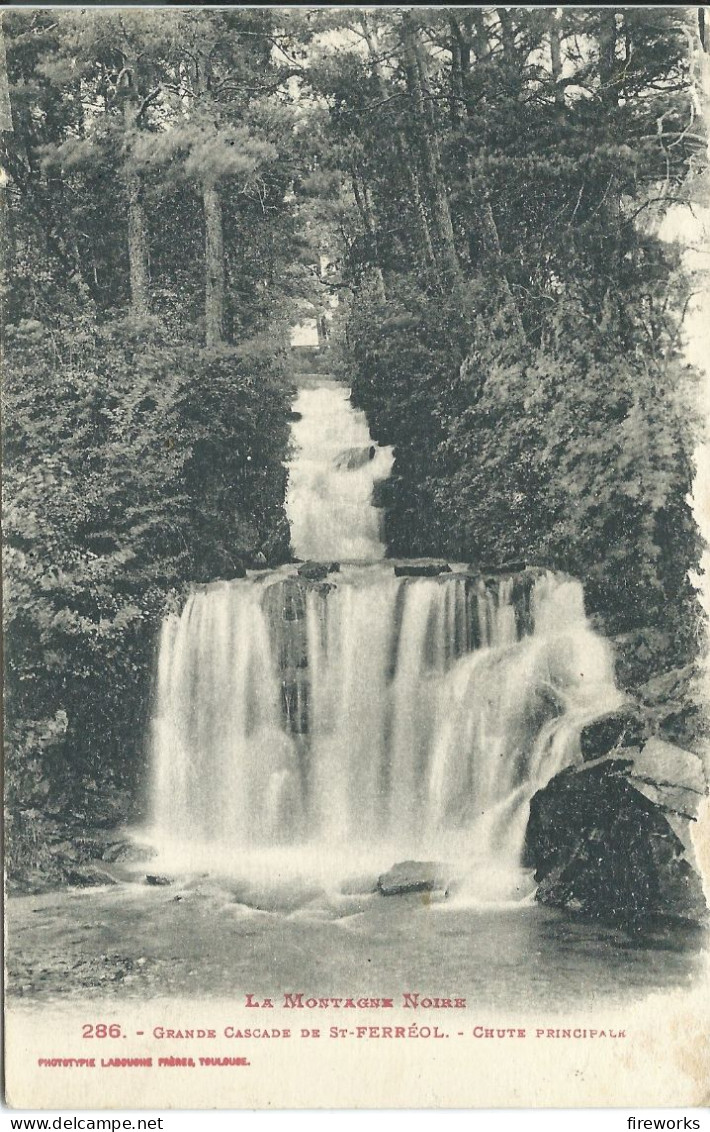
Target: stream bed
<point>134,941</point>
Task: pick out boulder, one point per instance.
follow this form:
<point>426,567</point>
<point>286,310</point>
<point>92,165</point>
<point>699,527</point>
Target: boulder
<point>515,566</point>
<point>317,571</point>
<point>421,569</point>
<point>670,777</point>
<point>602,848</point>
<point>413,876</point>
<point>157,881</point>
<point>622,727</point>
<point>127,850</point>
<point>673,700</point>
<point>88,876</point>
<point>353,458</point>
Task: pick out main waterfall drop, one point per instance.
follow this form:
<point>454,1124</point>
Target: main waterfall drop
<point>366,717</point>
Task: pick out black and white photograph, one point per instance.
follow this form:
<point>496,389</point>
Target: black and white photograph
<point>356,495</point>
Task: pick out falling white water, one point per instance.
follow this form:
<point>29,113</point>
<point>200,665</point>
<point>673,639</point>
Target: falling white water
<point>511,719</point>
<point>331,478</point>
<point>223,761</point>
<point>362,721</point>
<point>337,726</point>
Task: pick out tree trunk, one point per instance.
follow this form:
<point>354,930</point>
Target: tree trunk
<point>403,150</point>
<point>507,29</point>
<point>138,262</point>
<point>417,83</point>
<point>214,265</point>
<point>423,219</point>
<point>460,64</point>
<point>608,66</point>
<point>368,223</point>
<point>137,235</point>
<point>6,251</point>
<point>556,55</point>
<point>483,45</point>
<point>487,227</point>
<point>491,243</point>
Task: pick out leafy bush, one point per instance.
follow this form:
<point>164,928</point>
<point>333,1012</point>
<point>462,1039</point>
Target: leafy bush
<point>576,453</point>
<point>121,450</point>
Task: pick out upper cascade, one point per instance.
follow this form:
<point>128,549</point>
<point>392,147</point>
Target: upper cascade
<point>334,468</point>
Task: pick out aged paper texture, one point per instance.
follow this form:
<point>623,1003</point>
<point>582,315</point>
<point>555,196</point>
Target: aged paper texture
<point>356,499</point>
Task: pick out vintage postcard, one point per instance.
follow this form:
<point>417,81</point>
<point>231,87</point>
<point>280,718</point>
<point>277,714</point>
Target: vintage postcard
<point>355,385</point>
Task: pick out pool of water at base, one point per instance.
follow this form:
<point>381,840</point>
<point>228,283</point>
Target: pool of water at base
<point>199,939</point>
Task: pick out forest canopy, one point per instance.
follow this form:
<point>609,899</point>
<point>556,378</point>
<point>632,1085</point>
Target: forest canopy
<point>483,191</point>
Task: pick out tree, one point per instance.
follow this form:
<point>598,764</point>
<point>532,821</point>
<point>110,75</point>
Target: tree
<point>556,139</point>
<point>136,463</point>
<point>222,79</point>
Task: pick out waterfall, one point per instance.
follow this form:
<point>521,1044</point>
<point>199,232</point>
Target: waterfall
<point>331,477</point>
<point>350,722</point>
<point>371,716</point>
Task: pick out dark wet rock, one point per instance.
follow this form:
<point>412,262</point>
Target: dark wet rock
<point>157,880</point>
<point>295,697</point>
<point>285,605</point>
<point>413,876</point>
<point>235,570</point>
<point>669,693</point>
<point>88,876</point>
<point>621,728</point>
<point>639,653</point>
<point>513,567</point>
<point>485,590</point>
<point>353,458</point>
<point>292,593</point>
<point>673,703</point>
<point>317,571</point>
<point>381,494</point>
<point>128,851</point>
<point>421,569</point>
<point>602,848</point>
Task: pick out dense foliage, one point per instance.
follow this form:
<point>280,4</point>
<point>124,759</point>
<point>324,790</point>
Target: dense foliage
<point>122,485</point>
<point>137,459</point>
<point>514,326</point>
